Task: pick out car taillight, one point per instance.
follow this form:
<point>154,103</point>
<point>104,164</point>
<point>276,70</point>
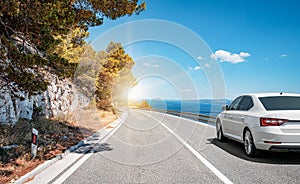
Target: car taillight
<point>272,121</point>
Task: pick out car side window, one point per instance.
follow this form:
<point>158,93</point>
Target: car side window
<point>246,104</point>
<point>234,105</point>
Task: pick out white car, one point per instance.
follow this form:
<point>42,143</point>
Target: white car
<point>262,121</point>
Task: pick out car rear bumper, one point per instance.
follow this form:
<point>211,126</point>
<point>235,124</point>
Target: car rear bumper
<point>278,146</point>
<point>272,138</point>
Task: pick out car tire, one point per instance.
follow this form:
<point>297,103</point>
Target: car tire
<point>220,135</point>
<point>249,146</point>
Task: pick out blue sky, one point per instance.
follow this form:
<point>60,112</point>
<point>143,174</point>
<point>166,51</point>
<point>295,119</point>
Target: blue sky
<point>253,45</point>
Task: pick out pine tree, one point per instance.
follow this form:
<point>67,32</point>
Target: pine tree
<point>114,74</point>
<point>29,32</point>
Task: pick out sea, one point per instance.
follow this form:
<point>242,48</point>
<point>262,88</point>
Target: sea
<point>211,107</point>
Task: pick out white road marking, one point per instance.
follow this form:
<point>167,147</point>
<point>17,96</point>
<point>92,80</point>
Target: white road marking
<point>70,171</point>
<point>220,175</point>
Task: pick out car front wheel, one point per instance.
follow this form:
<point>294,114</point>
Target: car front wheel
<point>249,144</point>
<point>220,135</point>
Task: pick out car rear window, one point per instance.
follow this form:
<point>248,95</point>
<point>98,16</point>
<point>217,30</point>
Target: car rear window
<point>281,103</point>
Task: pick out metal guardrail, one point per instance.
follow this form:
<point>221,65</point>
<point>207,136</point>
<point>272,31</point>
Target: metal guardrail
<point>189,115</point>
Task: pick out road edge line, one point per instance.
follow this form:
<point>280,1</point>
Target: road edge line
<point>71,170</point>
<point>49,163</point>
<point>218,173</point>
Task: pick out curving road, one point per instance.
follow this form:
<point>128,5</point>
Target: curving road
<point>151,147</point>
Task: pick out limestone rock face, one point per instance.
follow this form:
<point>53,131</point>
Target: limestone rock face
<point>60,97</point>
<point>56,100</point>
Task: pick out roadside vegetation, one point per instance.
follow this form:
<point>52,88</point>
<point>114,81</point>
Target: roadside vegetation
<point>55,136</point>
<point>139,104</point>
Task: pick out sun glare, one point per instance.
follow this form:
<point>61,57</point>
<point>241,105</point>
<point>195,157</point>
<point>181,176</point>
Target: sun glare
<point>135,92</point>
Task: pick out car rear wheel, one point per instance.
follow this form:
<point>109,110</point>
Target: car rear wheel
<point>220,135</point>
<point>249,144</point>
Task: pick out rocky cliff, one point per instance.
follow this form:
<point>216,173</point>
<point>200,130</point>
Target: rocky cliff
<point>60,98</point>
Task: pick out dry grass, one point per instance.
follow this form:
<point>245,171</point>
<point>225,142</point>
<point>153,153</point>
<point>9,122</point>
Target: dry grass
<point>55,136</point>
<point>93,119</point>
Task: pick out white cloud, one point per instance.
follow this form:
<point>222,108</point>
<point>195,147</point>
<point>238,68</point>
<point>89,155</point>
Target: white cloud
<point>225,56</point>
<point>244,54</point>
<point>283,55</point>
<point>199,58</point>
<point>155,66</point>
<point>194,68</point>
<point>197,68</point>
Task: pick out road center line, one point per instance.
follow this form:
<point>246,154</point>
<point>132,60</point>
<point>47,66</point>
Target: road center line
<point>220,175</point>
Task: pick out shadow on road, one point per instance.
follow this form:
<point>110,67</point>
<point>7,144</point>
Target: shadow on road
<point>237,149</point>
<point>94,148</point>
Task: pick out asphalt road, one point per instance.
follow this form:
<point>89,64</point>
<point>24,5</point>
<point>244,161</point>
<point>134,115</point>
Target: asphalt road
<point>151,147</point>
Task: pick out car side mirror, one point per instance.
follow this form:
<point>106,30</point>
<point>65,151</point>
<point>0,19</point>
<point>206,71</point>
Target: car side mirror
<point>225,108</point>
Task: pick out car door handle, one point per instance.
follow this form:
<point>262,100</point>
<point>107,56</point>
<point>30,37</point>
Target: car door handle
<point>242,118</point>
<point>230,117</point>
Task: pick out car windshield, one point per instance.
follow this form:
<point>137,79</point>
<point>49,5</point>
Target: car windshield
<point>281,103</point>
